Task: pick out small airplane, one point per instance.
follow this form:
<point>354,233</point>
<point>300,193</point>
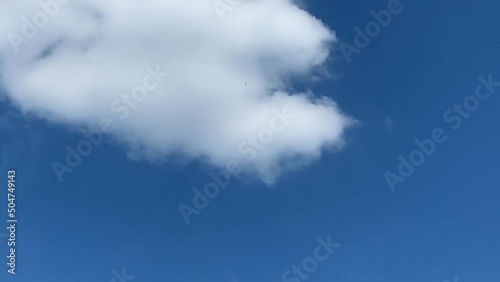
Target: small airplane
<point>246,83</point>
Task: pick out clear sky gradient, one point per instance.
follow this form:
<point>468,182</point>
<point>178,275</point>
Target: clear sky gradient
<point>441,223</point>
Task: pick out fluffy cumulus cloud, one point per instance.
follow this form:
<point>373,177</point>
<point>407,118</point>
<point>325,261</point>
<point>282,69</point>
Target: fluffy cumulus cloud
<point>103,64</point>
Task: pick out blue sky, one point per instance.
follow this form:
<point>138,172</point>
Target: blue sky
<point>113,213</point>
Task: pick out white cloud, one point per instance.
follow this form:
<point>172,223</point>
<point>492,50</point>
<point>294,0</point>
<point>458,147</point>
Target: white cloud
<point>90,52</point>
